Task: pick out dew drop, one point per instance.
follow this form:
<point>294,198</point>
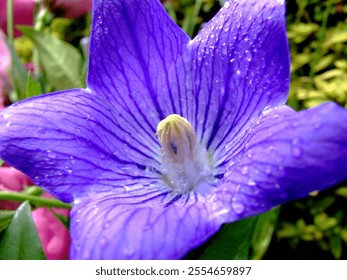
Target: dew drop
<point>296,141</point>
<point>296,147</point>
<point>103,242</point>
<point>72,159</point>
<point>244,170</point>
<point>226,28</point>
<point>95,210</point>
<point>248,55</point>
<point>227,5</point>
<point>268,169</point>
<point>6,115</point>
<point>129,251</point>
<point>86,255</point>
<point>68,169</point>
<point>297,152</point>
<point>106,225</point>
<point>238,207</point>
<point>251,183</point>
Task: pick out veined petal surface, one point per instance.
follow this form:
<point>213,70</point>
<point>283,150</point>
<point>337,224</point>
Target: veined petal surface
<point>69,143</point>
<point>237,66</point>
<point>133,44</point>
<point>288,155</point>
<point>110,227</point>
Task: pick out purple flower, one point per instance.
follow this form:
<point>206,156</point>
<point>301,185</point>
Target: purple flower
<point>228,147</point>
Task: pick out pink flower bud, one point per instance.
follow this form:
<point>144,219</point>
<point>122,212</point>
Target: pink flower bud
<point>53,234</point>
<point>12,180</point>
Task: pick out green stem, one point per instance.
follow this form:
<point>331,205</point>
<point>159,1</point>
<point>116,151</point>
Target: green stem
<point>190,18</point>
<point>171,11</point>
<point>33,190</point>
<point>318,54</point>
<point>35,200</point>
<point>10,21</point>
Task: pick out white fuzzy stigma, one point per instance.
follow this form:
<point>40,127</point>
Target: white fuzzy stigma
<point>185,164</point>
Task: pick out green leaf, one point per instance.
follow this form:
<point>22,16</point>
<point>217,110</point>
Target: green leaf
<point>61,62</point>
<point>336,38</point>
<point>324,62</point>
<point>263,232</point>
<point>33,88</point>
<point>20,240</point>
<point>233,241</point>
<point>18,76</point>
<point>5,218</point>
<point>342,191</point>
<point>322,205</point>
<point>336,246</point>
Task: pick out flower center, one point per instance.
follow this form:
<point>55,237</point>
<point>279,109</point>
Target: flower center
<point>185,163</point>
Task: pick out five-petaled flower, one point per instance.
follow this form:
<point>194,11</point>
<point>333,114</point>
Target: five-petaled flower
<point>174,137</point>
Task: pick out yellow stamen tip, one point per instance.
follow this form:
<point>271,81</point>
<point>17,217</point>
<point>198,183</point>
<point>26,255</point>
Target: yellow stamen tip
<point>177,137</point>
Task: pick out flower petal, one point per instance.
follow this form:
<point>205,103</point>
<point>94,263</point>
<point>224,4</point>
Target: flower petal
<point>108,227</point>
<point>133,44</point>
<point>288,155</point>
<point>75,143</point>
<point>235,67</point>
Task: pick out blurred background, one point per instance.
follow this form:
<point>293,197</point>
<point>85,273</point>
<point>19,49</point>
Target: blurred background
<point>312,228</point>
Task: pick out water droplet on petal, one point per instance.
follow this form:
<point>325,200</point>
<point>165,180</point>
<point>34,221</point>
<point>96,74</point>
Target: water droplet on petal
<point>86,255</point>
<point>238,207</point>
<point>6,115</point>
<point>72,160</point>
<point>248,55</point>
<point>96,210</point>
<point>68,169</point>
<point>103,242</point>
<point>226,28</point>
<point>128,251</point>
<point>251,183</point>
<point>296,141</point>
<point>268,169</point>
<point>297,152</point>
<point>227,5</point>
<point>107,225</point>
<point>244,170</point>
<point>296,147</point>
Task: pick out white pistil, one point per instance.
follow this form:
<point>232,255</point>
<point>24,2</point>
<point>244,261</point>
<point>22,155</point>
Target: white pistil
<point>185,161</point>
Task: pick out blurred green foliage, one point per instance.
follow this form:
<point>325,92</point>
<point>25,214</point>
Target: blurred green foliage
<point>317,32</point>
